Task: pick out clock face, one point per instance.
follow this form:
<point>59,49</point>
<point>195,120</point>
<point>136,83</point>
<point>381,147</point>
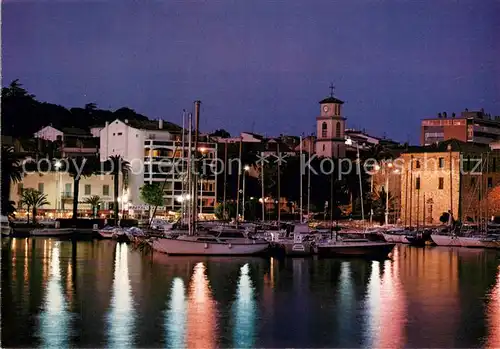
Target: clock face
<point>325,108</point>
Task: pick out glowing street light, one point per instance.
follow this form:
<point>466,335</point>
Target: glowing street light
<point>246,168</point>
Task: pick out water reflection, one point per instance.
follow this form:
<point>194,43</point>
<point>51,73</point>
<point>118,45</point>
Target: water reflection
<point>201,324</point>
<point>54,319</point>
<point>121,315</point>
<point>373,305</point>
<point>493,315</point>
<point>176,315</point>
<point>346,308</point>
<point>245,311</point>
<point>392,309</point>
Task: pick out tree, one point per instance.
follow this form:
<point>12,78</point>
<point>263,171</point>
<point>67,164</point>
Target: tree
<point>94,201</point>
<point>494,201</point>
<point>33,199</point>
<point>11,173</point>
<point>118,166</point>
<point>220,133</point>
<point>77,168</point>
<point>230,210</point>
<point>152,195</point>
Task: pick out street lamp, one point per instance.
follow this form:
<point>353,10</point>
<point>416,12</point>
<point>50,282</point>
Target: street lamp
<point>395,171</point>
<point>348,141</point>
<point>58,165</point>
<point>246,168</point>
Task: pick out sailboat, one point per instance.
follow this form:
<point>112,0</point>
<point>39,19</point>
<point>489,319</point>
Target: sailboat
<point>225,242</point>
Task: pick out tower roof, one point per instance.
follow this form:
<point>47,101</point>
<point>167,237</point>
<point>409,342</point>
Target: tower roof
<point>331,99</point>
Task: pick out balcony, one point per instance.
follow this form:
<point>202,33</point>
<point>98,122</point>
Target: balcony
<point>66,196</point>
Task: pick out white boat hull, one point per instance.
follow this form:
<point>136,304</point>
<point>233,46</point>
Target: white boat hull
<point>460,241</point>
<point>186,247</point>
<point>395,238</point>
<point>471,242</point>
<point>6,231</point>
<point>52,232</point>
<point>106,234</point>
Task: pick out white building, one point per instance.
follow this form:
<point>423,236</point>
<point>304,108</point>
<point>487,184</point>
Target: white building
<point>58,186</point>
<point>49,133</point>
<point>151,147</point>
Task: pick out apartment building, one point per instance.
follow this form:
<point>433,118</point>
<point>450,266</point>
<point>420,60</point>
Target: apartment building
<point>155,154</point>
<point>469,126</point>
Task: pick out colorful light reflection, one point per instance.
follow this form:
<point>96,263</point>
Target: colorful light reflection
<point>176,315</point>
<point>54,319</point>
<point>201,329</point>
<point>244,311</point>
<point>493,315</point>
<point>121,315</point>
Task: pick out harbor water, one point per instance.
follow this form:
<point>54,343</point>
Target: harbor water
<point>58,294</point>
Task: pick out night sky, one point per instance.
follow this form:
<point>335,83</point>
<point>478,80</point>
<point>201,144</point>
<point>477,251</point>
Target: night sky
<point>260,65</point>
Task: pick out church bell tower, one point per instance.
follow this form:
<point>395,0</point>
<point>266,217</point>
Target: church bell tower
<point>330,128</point>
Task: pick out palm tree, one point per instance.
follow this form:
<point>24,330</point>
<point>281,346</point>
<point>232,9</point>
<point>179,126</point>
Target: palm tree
<point>33,199</point>
<point>79,167</point>
<point>11,173</point>
<point>94,202</point>
<point>119,165</point>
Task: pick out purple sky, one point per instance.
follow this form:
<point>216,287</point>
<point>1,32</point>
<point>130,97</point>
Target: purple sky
<point>260,64</point>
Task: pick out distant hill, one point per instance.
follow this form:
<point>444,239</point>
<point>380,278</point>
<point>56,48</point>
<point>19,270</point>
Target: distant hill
<point>23,115</point>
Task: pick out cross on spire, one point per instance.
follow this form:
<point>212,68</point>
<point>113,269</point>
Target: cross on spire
<point>332,89</point>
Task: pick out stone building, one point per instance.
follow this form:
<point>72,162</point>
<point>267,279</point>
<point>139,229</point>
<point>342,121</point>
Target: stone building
<point>451,176</point>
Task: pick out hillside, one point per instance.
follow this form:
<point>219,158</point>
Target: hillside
<point>23,114</point>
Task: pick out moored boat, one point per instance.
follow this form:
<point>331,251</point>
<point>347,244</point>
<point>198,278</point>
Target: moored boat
<point>225,243</point>
<point>52,232</point>
<point>354,248</point>
<point>106,232</point>
<point>395,236</point>
<point>5,227</point>
<point>445,240</point>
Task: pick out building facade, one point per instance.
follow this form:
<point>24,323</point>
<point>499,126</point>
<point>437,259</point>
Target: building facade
<point>470,126</point>
<point>155,155</point>
<point>58,186</point>
<point>454,177</point>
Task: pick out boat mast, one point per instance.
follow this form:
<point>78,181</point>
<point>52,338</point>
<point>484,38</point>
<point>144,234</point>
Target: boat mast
<point>182,166</point>
<point>189,172</point>
<point>300,159</point>
<point>239,180</point>
<point>195,174</point>
<point>225,181</point>
<point>309,185</point>
<point>486,194</point>
<point>279,188</point>
<point>262,187</point>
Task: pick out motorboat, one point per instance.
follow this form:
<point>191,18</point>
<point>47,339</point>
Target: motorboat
<point>106,232</point>
<point>396,235</point>
<point>52,232</point>
<point>6,229</point>
<point>339,247</point>
<point>161,224</point>
<point>224,243</point>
